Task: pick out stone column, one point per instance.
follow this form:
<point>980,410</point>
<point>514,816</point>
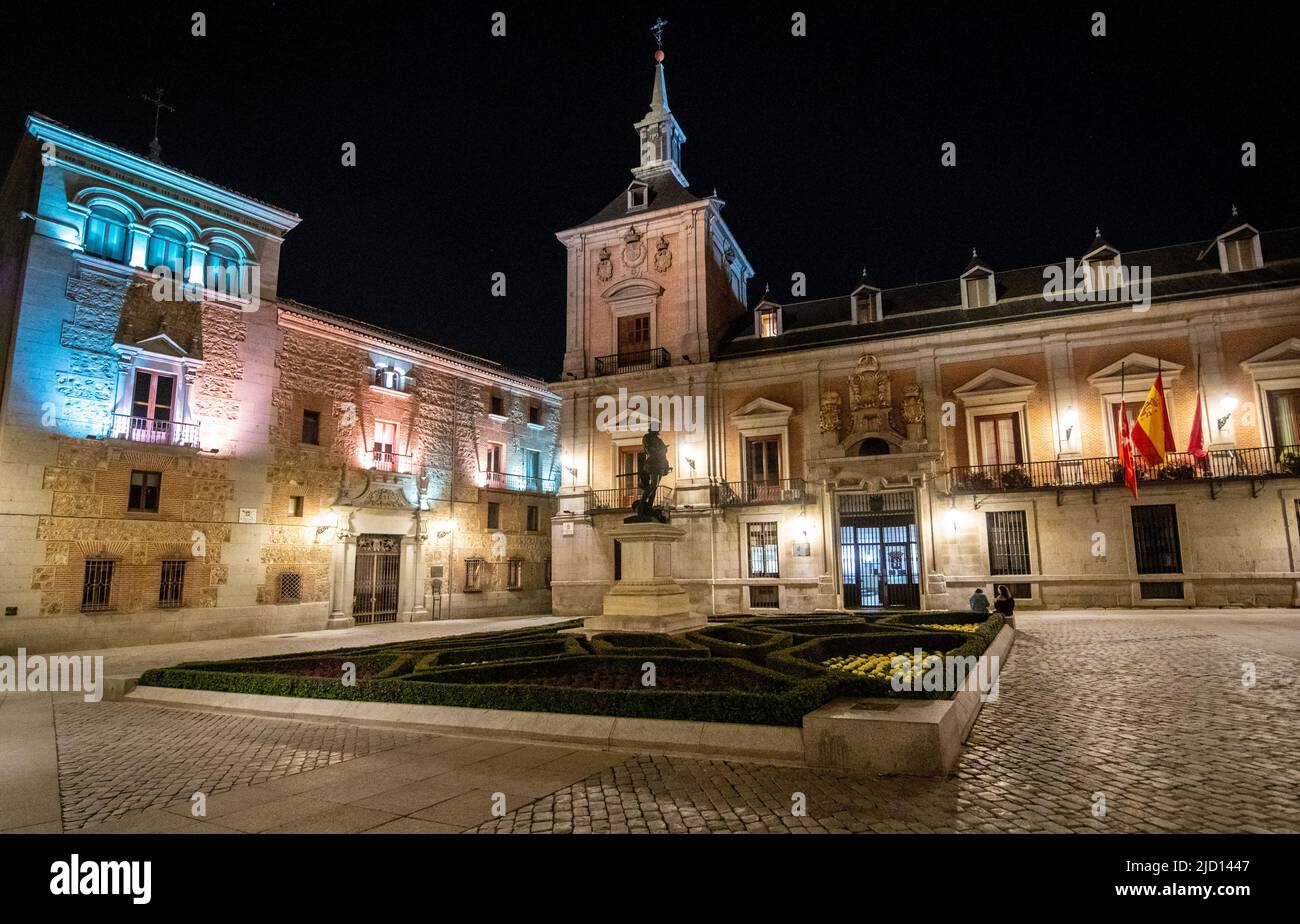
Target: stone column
<point>344,562</point>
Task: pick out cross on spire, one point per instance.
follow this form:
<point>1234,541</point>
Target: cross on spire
<point>155,148</point>
<point>658,31</point>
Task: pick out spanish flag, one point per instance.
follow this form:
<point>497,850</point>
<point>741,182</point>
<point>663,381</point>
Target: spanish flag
<point>1153,437</point>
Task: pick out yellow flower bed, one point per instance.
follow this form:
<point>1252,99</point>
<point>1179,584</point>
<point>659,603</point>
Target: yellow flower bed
<point>881,665</point>
<point>951,626</point>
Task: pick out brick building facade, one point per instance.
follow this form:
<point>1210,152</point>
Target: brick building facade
<point>183,454</point>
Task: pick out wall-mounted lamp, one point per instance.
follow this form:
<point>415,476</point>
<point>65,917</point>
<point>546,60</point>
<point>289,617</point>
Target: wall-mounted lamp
<point>691,463</point>
<point>320,531</point>
<point>1227,404</point>
<point>444,528</point>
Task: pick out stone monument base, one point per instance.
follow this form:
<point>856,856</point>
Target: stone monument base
<point>646,598</point>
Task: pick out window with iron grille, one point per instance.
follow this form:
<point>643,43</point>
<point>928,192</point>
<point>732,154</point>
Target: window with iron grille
<point>145,488</point>
<point>493,515</point>
<point>764,597</point>
<point>473,575</point>
<point>171,588</point>
<point>533,518</point>
<point>290,586</point>
<point>96,585</point>
<point>514,574</point>
<point>1155,539</point>
<point>763,550</point>
<point>1008,537</point>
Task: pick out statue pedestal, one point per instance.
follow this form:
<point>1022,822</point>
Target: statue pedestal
<point>646,598</point>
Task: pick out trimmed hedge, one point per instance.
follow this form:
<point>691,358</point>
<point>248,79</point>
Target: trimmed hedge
<point>766,669</point>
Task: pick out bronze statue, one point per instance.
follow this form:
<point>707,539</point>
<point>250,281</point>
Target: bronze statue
<point>651,466</point>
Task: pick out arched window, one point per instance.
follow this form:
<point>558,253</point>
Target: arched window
<point>873,446</point>
<point>167,248</point>
<point>106,233</point>
<point>222,271</point>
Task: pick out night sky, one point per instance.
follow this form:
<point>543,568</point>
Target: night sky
<point>473,151</point>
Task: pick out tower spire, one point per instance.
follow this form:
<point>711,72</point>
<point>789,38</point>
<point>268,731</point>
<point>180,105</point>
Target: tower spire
<point>661,136</point>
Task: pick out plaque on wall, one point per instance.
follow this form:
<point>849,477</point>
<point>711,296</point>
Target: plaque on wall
<point>566,529</point>
<point>247,514</point>
<point>802,549</point>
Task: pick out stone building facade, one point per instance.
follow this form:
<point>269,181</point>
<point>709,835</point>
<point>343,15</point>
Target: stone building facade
<point>183,454</point>
<point>902,446</point>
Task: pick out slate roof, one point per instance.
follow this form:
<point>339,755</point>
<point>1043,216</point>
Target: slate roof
<point>1177,271</point>
<point>665,193</point>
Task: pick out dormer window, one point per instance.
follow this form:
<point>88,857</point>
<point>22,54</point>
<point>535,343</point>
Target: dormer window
<point>865,301</point>
<point>1239,251</point>
<point>977,289</point>
<point>1103,272</point>
<point>767,319</point>
<point>638,196</point>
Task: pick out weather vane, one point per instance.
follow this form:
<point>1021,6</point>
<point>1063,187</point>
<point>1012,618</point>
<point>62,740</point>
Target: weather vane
<point>658,30</point>
<point>155,148</point>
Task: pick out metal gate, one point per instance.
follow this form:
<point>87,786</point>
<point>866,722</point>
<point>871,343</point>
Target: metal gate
<point>879,552</point>
<point>374,594</point>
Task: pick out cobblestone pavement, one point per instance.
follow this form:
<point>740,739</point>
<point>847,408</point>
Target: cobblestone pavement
<point>1147,713</point>
<point>118,758</point>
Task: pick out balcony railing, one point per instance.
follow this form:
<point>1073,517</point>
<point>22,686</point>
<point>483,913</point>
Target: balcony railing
<point>1218,465</point>
<point>638,361</point>
<point>740,493</point>
<point>381,460</point>
<point>625,495</point>
<point>149,430</point>
<point>510,481</point>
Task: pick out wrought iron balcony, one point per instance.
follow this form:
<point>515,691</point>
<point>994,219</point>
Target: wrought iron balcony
<point>625,495</point>
<point>741,493</point>
<point>1219,465</point>
<point>510,481</point>
<point>638,361</point>
<point>150,430</point>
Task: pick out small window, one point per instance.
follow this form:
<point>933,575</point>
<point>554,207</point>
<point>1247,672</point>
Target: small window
<point>763,550</point>
<point>145,488</point>
<point>1155,539</point>
<point>978,291</point>
<point>96,585</point>
<point>764,598</point>
<point>497,405</point>
<point>106,234</point>
<point>769,322</point>
<point>290,587</point>
<point>1008,539</point>
<point>1240,252</point>
<point>166,251</point>
<point>221,272</point>
<point>535,414</point>
<point>473,575</point>
<point>546,566</point>
<point>514,574</point>
<point>388,377</point>
<point>493,515</point>
<point>533,518</point>
<point>171,587</point>
<point>311,427</point>
<point>638,196</point>
<point>295,505</point>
